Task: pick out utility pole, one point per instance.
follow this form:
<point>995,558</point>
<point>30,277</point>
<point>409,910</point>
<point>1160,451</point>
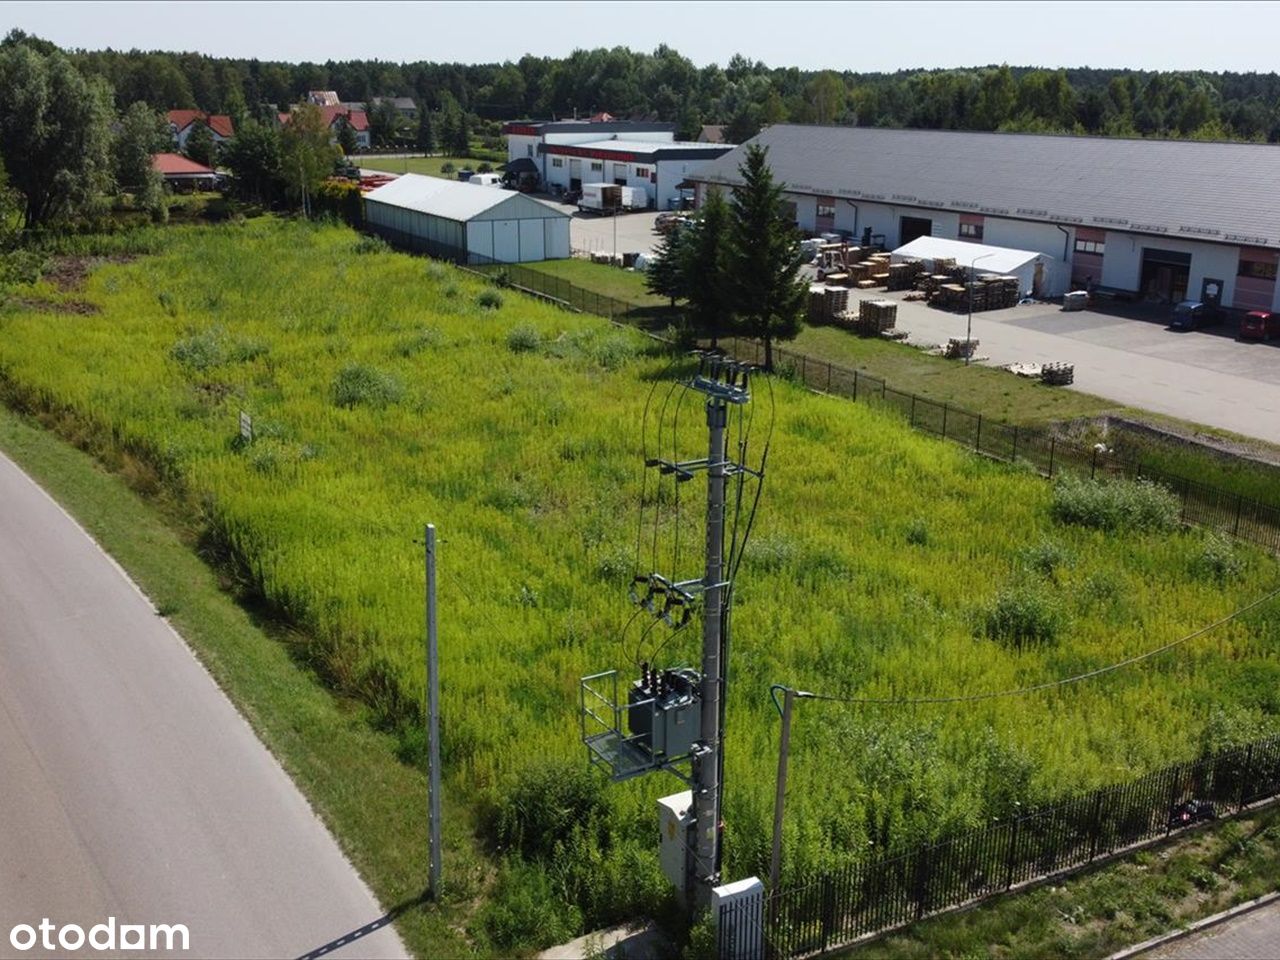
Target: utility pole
<point>706,762</point>
<point>433,717</point>
<point>780,797</point>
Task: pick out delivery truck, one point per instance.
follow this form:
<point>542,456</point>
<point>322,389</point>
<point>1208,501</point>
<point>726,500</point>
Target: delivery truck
<point>611,198</point>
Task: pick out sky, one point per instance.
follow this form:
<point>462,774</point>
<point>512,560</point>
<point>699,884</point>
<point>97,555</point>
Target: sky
<point>858,36</point>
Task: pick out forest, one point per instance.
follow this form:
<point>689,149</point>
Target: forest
<point>743,94</point>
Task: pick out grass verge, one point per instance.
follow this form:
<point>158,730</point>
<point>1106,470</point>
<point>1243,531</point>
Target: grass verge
<point>428,165</point>
<point>1096,913</point>
<point>602,279</point>
<point>373,804</point>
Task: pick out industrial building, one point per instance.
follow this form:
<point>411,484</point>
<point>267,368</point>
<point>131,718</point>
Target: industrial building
<point>466,223</point>
<point>563,155</point>
<point>1159,220</point>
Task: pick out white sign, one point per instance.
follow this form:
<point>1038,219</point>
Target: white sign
<point>246,427</point>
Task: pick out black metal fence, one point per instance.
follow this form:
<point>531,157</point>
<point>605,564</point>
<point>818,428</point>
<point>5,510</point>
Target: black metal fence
<point>1038,447</point>
<point>578,298</point>
<point>878,894</point>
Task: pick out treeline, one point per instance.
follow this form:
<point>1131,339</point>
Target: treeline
<point>743,95</point>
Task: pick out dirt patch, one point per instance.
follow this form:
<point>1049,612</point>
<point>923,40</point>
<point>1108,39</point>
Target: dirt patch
<point>79,307</point>
<point>70,273</point>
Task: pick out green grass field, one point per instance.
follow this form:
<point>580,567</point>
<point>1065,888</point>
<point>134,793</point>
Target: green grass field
<point>428,165</point>
<point>601,278</point>
<point>387,391</point>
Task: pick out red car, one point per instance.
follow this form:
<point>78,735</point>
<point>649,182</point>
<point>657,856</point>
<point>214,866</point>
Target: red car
<point>1260,325</point>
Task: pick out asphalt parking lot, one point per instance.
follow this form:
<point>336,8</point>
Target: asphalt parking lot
<point>1129,356</point>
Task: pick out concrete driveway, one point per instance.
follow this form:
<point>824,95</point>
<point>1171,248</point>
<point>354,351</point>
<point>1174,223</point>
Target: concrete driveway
<point>1204,376</point>
<point>595,234</point>
<point>1254,936</point>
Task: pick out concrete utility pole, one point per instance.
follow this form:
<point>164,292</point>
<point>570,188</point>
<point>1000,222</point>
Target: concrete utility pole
<point>706,763</point>
<point>780,796</point>
<point>968,330</point>
<point>433,718</point>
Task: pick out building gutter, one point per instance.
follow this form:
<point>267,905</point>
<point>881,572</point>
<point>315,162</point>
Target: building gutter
<point>1066,241</point>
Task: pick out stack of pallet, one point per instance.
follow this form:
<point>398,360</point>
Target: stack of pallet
<point>1058,374</point>
<point>951,296</point>
<point>837,302</point>
<point>902,276</point>
<point>818,304</point>
<point>998,292</point>
<point>876,316</point>
<point>958,348</point>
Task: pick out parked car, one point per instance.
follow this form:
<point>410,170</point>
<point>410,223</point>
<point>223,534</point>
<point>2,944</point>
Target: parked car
<point>1260,325</point>
<point>669,222</point>
<point>571,197</point>
<point>1192,315</point>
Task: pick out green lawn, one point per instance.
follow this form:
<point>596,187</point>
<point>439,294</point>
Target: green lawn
<point>601,278</point>
<point>428,165</point>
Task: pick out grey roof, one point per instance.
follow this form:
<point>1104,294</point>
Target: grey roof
<point>601,126</point>
<point>1219,192</point>
<point>458,201</point>
<point>661,148</point>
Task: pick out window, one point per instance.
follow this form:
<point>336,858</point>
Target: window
<point>971,231</point>
<point>557,161</point>
<point>596,166</point>
<point>528,151</point>
<point>1256,269</point>
<point>827,210</point>
<point>1090,246</point>
<point>642,172</point>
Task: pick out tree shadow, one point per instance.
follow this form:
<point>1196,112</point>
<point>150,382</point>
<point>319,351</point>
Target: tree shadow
<point>369,928</point>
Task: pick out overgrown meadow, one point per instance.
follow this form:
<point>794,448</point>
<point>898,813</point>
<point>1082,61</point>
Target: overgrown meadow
<point>388,391</point>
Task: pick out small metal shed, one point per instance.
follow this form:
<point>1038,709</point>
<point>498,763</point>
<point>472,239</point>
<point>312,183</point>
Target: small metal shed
<point>466,223</point>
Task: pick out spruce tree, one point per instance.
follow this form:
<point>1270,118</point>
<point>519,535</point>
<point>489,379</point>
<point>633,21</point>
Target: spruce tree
<point>665,274</point>
<point>768,296</point>
<point>706,267</point>
<point>426,135</point>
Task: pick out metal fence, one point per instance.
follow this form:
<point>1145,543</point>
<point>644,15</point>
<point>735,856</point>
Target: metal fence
<point>878,894</point>
<point>1038,447</point>
<point>578,298</point>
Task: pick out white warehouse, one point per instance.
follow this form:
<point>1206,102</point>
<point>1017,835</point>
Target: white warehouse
<point>466,223</point>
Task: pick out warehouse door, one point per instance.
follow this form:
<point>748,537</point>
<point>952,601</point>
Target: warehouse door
<point>1165,274</point>
<point>913,228</point>
<point>575,174</point>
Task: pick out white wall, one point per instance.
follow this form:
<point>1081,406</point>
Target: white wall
<point>1122,262</point>
<point>1021,235</point>
<point>518,146</point>
<point>555,238</point>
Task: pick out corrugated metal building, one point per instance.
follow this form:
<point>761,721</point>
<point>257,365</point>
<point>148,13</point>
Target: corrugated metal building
<point>1159,218</point>
<point>466,223</point>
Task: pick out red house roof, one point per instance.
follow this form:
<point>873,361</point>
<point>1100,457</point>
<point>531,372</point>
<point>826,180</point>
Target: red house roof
<point>219,123</point>
<point>358,119</point>
<point>171,164</point>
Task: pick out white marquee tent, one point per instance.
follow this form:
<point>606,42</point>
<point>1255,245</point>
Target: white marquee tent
<point>1038,274</point>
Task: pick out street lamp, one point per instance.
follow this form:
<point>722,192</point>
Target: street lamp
<point>968,330</point>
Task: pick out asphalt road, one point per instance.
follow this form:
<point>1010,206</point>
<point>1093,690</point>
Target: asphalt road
<point>129,785</point>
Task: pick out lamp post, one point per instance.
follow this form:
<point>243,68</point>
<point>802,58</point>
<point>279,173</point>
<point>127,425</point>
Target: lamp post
<point>968,330</point>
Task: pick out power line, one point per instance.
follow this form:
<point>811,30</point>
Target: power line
<point>1036,688</point>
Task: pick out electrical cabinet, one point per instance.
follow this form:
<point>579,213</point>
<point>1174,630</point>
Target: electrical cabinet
<point>675,826</point>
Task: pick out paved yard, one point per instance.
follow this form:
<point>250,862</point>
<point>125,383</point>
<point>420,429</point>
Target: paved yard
<point>1203,376</point>
<point>589,231</point>
<point>1254,936</point>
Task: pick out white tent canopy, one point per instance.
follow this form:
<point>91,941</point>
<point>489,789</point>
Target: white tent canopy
<point>1054,275</point>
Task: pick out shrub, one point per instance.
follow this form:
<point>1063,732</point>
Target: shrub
<point>546,804</point>
<point>1115,504</point>
<point>370,244</point>
<point>1217,560</point>
<point>489,299</point>
<point>246,349</point>
<point>357,385</point>
<point>485,167</point>
<point>918,532</point>
<point>200,351</point>
<point>447,167</point>
<point>1022,615</point>
<point>1045,558</point>
<point>523,339</point>
<point>418,341</point>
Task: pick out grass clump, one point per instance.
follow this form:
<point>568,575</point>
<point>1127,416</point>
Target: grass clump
<point>200,351</point>
<point>357,385</point>
<point>370,244</point>
<point>1115,505</point>
<point>1023,615</point>
<point>523,339</point>
<point>1045,558</point>
<point>1217,560</point>
<point>489,300</point>
<point>918,532</point>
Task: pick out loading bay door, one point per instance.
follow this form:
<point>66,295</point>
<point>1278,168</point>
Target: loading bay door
<point>913,228</point>
<point>1165,274</point>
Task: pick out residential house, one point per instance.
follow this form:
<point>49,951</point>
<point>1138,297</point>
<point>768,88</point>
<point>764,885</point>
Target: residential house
<point>182,122</point>
<point>337,115</point>
<point>184,175</point>
<point>323,98</point>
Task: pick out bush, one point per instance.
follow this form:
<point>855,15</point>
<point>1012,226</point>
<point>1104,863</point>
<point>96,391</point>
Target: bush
<point>200,351</point>
<point>1115,504</point>
<point>357,385</point>
<point>485,167</point>
<point>370,244</point>
<point>1045,558</point>
<point>447,167</point>
<point>489,299</point>
<point>1023,615</point>
<point>1217,560</point>
<point>918,532</point>
<point>523,339</point>
<point>545,806</point>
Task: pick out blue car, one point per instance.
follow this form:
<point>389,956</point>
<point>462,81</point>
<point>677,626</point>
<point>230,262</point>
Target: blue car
<point>1191,315</point>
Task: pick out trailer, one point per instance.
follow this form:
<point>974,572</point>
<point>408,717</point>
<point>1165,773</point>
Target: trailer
<point>611,198</point>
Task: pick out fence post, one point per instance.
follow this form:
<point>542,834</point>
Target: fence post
<point>883,386</point>
<point>977,440</point>
<point>1013,457</point>
<point>944,421</point>
<point>1174,788</point>
<point>1053,443</point>
<point>804,370</point>
<point>1093,464</point>
<point>1013,851</point>
<point>828,376</point>
<point>855,386</point>
<point>828,910</point>
<point>1186,490</point>
<point>922,881</point>
<point>913,409</point>
<point>1095,825</point>
<point>1235,531</point>
<point>1244,778</point>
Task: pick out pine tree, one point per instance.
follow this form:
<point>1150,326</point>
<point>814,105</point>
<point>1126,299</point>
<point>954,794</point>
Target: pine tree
<point>769,298</point>
<point>665,274</point>
<point>426,135</point>
<point>706,282</point>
